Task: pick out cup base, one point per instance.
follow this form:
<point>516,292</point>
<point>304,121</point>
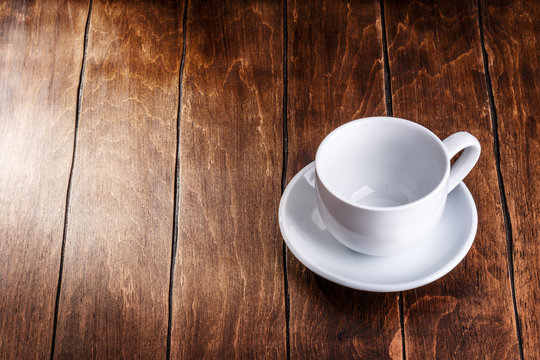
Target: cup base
<point>371,246</point>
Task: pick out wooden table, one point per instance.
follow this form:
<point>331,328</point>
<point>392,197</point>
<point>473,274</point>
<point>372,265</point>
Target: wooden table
<point>144,149</point>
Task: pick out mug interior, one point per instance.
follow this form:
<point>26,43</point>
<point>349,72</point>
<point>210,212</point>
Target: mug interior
<point>381,162</point>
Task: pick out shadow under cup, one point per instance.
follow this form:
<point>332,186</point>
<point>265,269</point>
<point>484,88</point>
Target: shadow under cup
<point>379,163</point>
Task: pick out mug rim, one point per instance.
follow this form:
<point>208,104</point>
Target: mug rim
<point>405,122</point>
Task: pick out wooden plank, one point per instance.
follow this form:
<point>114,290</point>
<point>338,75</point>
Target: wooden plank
<point>335,75</point>
<point>38,97</point>
<point>511,41</point>
<point>228,282</point>
<point>438,81</point>
<point>114,295</point>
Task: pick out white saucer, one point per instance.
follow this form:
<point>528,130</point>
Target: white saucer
<point>307,238</point>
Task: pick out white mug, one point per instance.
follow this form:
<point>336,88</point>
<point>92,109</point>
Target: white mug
<point>382,182</point>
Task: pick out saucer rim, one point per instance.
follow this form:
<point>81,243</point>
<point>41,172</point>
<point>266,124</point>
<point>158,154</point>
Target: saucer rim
<point>436,274</point>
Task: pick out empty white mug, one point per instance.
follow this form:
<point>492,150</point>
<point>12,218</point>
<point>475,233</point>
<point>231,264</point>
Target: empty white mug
<point>382,182</point>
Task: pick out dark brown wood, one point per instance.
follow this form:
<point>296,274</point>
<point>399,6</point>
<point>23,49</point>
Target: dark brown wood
<point>335,75</point>
<point>229,297</point>
<point>228,284</point>
<point>41,49</point>
<point>511,41</point>
<point>438,81</point>
<point>114,296</point>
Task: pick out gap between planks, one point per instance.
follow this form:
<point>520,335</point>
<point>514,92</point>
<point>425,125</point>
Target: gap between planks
<point>68,192</point>
<point>285,158</point>
<point>176,196</point>
<point>502,193</point>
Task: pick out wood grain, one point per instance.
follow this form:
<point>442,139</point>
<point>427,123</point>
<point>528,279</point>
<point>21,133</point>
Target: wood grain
<point>114,295</point>
<point>229,294</point>
<point>511,41</point>
<point>38,96</point>
<point>438,81</point>
<point>335,75</point>
<point>228,283</point>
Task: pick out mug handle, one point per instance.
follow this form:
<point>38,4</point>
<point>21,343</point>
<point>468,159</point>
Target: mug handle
<point>464,164</point>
